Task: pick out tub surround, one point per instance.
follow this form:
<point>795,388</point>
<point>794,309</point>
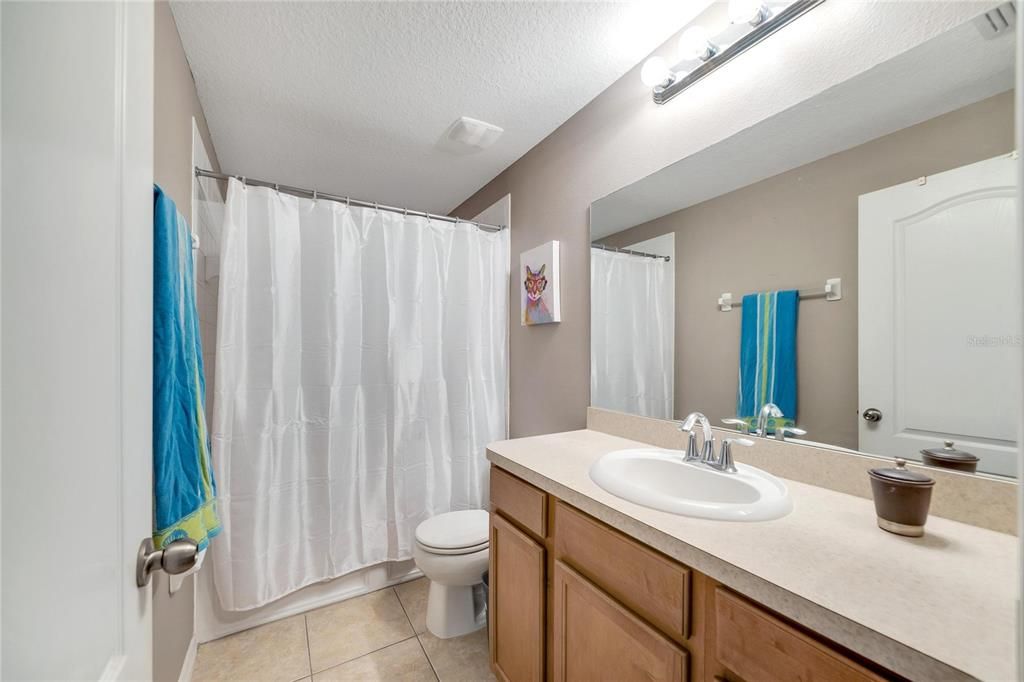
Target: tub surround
<point>937,607</point>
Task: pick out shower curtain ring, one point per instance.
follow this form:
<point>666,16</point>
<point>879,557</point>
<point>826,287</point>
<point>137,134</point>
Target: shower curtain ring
<point>277,188</point>
<point>243,182</point>
<point>314,195</point>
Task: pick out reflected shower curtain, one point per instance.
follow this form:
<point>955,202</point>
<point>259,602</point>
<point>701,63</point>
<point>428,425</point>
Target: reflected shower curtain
<point>361,371</point>
<point>632,327</point>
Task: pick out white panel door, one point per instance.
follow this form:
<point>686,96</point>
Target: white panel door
<point>77,215</point>
<point>939,335</point>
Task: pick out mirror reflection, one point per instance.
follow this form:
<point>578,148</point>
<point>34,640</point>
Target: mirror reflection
<point>841,273</point>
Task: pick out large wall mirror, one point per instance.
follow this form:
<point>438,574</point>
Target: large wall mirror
<point>842,273</point>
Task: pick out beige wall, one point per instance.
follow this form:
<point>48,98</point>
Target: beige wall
<point>175,103</point>
<point>795,230</point>
<point>621,136</point>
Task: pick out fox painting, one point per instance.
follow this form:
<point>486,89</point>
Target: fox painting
<point>536,310</point>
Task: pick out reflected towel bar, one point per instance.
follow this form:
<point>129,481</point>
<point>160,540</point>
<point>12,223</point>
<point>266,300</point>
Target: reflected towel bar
<point>833,291</point>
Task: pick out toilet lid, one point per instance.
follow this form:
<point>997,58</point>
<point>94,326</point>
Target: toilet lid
<point>454,530</point>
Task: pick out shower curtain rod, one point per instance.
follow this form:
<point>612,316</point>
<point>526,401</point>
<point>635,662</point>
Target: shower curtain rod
<point>316,194</point>
<point>629,251</point>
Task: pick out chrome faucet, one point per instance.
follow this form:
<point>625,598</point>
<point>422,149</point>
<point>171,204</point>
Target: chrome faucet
<point>769,411</point>
<point>707,452</point>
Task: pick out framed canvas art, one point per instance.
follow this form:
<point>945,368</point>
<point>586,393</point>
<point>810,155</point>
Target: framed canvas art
<point>538,282</point>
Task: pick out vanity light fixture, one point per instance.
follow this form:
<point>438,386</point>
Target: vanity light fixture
<point>696,44</point>
<point>753,12</point>
<point>655,71</point>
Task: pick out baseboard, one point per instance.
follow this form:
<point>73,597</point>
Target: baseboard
<point>189,664</point>
<point>214,623</point>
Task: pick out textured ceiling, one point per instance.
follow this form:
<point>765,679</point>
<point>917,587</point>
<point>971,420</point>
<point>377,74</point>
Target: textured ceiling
<point>945,73</point>
<point>354,97</point>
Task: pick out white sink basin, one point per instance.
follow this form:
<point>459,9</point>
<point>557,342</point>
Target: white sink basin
<point>660,479</point>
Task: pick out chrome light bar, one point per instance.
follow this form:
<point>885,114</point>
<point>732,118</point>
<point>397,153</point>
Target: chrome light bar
<point>666,91</point>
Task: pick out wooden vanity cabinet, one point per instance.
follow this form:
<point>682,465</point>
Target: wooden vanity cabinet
<point>572,599</point>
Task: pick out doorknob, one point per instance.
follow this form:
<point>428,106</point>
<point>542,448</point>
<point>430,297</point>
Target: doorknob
<point>177,557</point>
<point>872,414</point>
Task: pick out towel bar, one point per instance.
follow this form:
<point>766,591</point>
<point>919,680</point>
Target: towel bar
<point>833,291</point>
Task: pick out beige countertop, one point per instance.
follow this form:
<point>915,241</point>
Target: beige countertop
<point>941,607</point>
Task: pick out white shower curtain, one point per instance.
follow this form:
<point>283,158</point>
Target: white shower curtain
<point>632,327</point>
<point>361,371</point>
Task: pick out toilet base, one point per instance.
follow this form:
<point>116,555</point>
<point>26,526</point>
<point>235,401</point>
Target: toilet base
<point>455,610</point>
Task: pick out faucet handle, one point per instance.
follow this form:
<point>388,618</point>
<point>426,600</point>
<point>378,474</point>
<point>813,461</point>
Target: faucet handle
<point>782,431</point>
<point>707,452</point>
<point>686,426</point>
<point>691,447</point>
<point>742,425</point>
<point>725,462</point>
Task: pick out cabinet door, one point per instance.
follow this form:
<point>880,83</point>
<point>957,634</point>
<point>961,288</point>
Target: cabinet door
<point>516,603</point>
<point>596,638</point>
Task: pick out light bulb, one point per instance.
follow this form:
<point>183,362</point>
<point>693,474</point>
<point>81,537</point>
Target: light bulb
<point>655,71</point>
<point>751,12</point>
<point>694,44</point>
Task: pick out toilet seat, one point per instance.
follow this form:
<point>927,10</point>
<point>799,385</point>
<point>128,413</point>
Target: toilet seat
<point>452,551</point>
<point>453,533</point>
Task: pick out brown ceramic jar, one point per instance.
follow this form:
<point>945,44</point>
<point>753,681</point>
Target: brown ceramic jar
<point>902,498</point>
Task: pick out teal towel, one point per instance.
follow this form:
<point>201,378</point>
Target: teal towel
<point>184,493</point>
<point>768,355</point>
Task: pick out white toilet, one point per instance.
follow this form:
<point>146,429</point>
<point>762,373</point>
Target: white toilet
<point>452,551</point>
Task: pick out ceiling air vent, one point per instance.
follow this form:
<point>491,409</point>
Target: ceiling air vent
<point>998,21</point>
<point>467,135</point>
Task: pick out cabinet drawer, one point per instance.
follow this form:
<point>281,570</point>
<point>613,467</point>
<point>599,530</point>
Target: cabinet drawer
<point>756,645</point>
<point>598,639</point>
<point>519,501</point>
<point>652,585</point>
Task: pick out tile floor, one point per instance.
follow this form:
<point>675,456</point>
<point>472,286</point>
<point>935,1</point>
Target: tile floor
<point>379,636</point>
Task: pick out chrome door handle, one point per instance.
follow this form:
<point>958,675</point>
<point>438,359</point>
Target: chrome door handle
<point>175,558</point>
<point>872,414</point>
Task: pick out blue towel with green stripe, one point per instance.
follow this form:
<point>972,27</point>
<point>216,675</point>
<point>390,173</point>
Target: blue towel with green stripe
<point>184,494</point>
<point>768,355</point>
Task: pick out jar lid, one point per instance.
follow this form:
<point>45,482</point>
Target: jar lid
<point>948,453</point>
<point>901,474</point>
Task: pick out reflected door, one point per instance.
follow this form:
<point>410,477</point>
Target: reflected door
<point>939,330</point>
